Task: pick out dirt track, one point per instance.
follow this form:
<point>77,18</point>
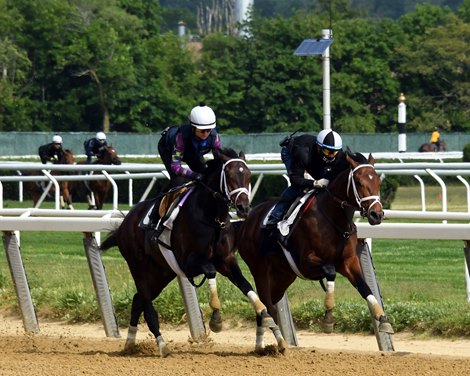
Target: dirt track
<point>84,350</point>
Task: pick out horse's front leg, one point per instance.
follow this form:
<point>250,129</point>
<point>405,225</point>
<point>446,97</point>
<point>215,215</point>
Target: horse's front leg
<point>215,322</point>
<point>354,274</point>
<point>328,319</point>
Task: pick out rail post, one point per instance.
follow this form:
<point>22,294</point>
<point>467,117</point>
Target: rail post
<point>384,340</point>
<point>18,274</point>
<point>100,284</point>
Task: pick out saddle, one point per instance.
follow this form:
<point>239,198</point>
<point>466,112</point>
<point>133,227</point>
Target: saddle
<point>170,200</point>
<point>292,216</point>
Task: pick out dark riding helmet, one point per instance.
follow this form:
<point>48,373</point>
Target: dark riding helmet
<point>330,144</point>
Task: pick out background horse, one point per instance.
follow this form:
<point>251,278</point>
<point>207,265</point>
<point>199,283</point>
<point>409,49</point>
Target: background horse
<point>322,242</point>
<point>429,147</point>
<point>37,189</point>
<point>201,241</point>
<point>99,189</point>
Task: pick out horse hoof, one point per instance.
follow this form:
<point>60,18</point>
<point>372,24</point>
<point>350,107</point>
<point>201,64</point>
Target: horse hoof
<point>386,327</point>
<point>130,345</point>
<point>327,327</point>
<point>266,320</point>
<point>260,350</point>
<point>164,351</point>
<point>215,323</point>
<point>282,346</point>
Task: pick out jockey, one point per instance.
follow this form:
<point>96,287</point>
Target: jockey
<point>319,156</point>
<point>435,139</point>
<point>95,146</point>
<point>187,143</point>
<point>51,152</point>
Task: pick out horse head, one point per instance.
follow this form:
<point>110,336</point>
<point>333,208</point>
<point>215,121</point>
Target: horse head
<point>109,156</point>
<point>234,180</point>
<point>363,187</point>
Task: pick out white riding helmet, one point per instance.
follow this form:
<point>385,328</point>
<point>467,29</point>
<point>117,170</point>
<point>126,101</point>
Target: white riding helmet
<point>330,143</point>
<point>57,139</point>
<point>202,117</point>
<point>100,136</point>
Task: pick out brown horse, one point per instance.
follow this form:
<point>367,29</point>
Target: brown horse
<point>99,189</point>
<point>198,241</point>
<point>322,242</point>
<point>37,190</point>
<point>430,147</point>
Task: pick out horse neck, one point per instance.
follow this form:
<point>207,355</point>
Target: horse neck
<point>210,197</point>
<point>338,198</point>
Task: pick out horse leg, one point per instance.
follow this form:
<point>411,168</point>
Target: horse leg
<point>136,310</point>
<point>328,319</point>
<point>264,289</point>
<point>329,303</point>
<point>229,268</point>
<point>215,323</point>
<point>354,275</point>
<point>140,305</point>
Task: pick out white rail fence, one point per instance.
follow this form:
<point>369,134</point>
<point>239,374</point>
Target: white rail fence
<point>91,223</point>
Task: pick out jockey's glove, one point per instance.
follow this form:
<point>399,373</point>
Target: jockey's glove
<point>320,183</point>
<point>196,176</point>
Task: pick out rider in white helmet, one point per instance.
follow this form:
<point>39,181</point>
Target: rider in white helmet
<point>51,152</point>
<point>319,156</point>
<point>187,143</point>
<point>95,146</point>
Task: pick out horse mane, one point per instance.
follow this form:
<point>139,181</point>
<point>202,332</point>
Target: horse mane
<point>213,163</point>
<point>357,157</point>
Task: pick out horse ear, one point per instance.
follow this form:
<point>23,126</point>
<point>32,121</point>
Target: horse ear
<point>371,159</point>
<point>242,155</point>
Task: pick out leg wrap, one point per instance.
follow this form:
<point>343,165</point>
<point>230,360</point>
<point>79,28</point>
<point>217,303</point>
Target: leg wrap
<point>256,302</point>
<point>214,301</point>
<point>375,306</point>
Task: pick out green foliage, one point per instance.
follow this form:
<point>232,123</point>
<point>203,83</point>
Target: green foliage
<point>388,190</point>
<point>84,66</point>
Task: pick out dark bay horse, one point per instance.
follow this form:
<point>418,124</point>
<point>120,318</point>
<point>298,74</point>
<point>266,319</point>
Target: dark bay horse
<point>199,242</point>
<point>322,242</point>
<point>37,189</point>
<point>430,147</point>
<point>99,189</point>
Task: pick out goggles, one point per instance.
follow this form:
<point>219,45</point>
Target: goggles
<point>204,130</point>
<point>329,153</point>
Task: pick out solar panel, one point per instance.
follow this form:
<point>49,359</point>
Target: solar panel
<point>313,47</point>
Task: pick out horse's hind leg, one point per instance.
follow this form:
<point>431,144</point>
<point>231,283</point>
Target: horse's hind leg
<point>139,305</point>
<point>136,310</point>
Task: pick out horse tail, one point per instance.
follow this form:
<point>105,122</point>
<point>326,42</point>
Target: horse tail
<point>109,242</point>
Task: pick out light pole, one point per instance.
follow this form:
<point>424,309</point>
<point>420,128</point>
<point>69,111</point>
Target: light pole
<point>321,47</point>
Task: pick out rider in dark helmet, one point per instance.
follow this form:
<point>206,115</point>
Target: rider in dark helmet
<point>316,155</point>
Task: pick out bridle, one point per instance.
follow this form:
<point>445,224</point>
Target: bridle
<point>359,200</point>
<point>224,186</point>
